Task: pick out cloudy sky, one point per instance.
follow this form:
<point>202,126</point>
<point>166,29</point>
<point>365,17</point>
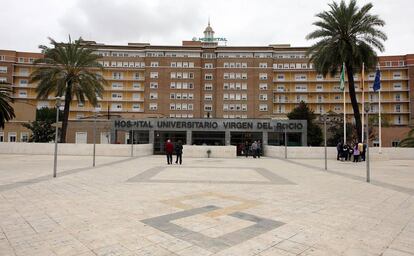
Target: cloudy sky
<point>27,23</point>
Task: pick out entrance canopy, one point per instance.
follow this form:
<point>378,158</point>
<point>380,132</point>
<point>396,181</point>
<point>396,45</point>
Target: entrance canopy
<point>195,128</point>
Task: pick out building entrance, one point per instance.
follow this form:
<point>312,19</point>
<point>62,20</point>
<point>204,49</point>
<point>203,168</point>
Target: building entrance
<point>240,138</point>
<point>161,137</point>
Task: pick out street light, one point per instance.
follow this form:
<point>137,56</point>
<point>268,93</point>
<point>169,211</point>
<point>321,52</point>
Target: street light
<point>132,143</point>
<point>367,108</point>
<point>56,136</point>
<point>324,118</point>
<point>96,111</point>
<point>285,130</point>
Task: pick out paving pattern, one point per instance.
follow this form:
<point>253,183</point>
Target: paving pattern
<point>225,207</point>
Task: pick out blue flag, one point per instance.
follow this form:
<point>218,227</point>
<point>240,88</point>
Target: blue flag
<point>377,81</point>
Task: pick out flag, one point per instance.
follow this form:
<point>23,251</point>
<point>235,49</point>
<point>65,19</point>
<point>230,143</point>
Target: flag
<point>342,78</point>
<point>377,81</point>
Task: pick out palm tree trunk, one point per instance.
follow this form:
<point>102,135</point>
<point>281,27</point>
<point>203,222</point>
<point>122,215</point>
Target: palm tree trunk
<point>354,102</point>
<point>68,99</point>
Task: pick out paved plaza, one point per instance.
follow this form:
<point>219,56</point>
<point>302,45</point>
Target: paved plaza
<point>234,207</point>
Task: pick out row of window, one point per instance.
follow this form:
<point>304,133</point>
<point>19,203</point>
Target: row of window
<point>12,137</point>
<point>182,75</point>
<point>319,87</point>
<point>234,107</point>
<point>234,96</point>
<point>182,96</point>
<point>235,76</point>
<point>181,106</point>
<point>303,77</point>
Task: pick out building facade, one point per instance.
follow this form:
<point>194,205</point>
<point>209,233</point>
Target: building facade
<point>202,79</point>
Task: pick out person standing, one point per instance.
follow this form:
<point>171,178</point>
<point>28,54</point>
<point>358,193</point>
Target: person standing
<point>339,150</point>
<point>259,148</point>
<point>169,148</point>
<point>356,153</point>
<point>254,149</point>
<point>246,148</point>
<point>179,152</point>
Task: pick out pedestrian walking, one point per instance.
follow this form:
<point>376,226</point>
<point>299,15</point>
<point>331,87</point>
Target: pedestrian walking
<point>179,152</point>
<point>350,152</point>
<point>338,150</point>
<point>169,149</point>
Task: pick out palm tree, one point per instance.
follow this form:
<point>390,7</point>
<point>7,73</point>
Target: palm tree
<point>6,110</point>
<point>347,34</point>
<point>67,70</point>
<point>408,141</point>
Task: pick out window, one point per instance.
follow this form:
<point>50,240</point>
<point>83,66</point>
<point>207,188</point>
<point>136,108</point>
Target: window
<point>3,69</point>
<point>81,104</point>
<point>208,65</point>
<point>153,95</point>
<point>208,76</point>
<point>1,135</point>
<point>117,85</point>
<point>154,85</point>
<point>280,77</point>
<point>117,75</point>
<point>136,96</point>
<point>117,96</point>
<point>397,97</point>
<point>208,107</point>
<point>263,76</point>
<point>22,94</point>
<point>154,64</point>
<point>319,98</point>
<point>137,76</point>
<point>191,64</point>
<point>396,75</point>
<point>397,86</point>
<point>136,85</point>
<point>208,97</point>
<point>337,108</point>
<point>116,106</point>
<point>397,120</point>
<point>388,64</point>
<point>280,88</point>
<point>208,87</point>
<point>12,137</point>
<point>24,137</point>
<point>397,108</point>
<point>3,79</point>
<point>244,96</point>
<point>319,77</point>
<point>262,96</point>
<point>262,87</point>
<point>263,107</point>
<point>153,106</point>
<point>154,75</point>
<point>23,82</point>
<point>244,65</point>
<point>244,76</point>
<point>319,87</point>
<point>2,58</point>
<point>21,60</point>
<point>300,77</point>
<point>401,63</point>
<point>244,86</point>
<point>262,65</point>
<point>301,88</point>
<point>338,97</point>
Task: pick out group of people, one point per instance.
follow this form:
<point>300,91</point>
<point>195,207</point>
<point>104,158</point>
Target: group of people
<point>169,150</point>
<point>254,149</point>
<point>346,152</point>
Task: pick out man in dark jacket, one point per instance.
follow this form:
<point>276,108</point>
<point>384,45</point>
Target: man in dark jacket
<point>179,152</point>
<point>169,149</point>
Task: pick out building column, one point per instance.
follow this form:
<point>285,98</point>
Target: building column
<point>265,138</point>
<point>227,138</point>
<point>151,137</point>
<point>189,137</point>
<point>113,136</point>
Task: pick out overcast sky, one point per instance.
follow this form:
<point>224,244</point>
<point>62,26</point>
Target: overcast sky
<point>27,23</point>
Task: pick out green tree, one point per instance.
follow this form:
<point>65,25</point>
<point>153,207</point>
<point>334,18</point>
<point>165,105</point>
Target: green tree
<point>67,69</point>
<point>347,34</point>
<point>42,128</point>
<point>303,112</point>
<point>408,141</point>
<point>6,110</point>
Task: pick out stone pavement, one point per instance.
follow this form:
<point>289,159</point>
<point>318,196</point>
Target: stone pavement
<point>267,206</point>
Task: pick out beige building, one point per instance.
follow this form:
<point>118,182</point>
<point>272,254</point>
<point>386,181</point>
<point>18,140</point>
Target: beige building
<point>202,78</point>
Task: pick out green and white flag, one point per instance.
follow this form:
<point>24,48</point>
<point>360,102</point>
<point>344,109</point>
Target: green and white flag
<point>342,86</point>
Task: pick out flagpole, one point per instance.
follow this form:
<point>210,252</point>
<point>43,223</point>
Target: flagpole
<point>379,118</point>
<point>344,96</point>
<point>363,100</point>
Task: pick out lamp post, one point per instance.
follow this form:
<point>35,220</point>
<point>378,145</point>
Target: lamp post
<point>285,130</point>
<point>56,136</point>
<point>94,134</point>
<point>367,108</point>
<point>132,143</point>
<point>324,118</point>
